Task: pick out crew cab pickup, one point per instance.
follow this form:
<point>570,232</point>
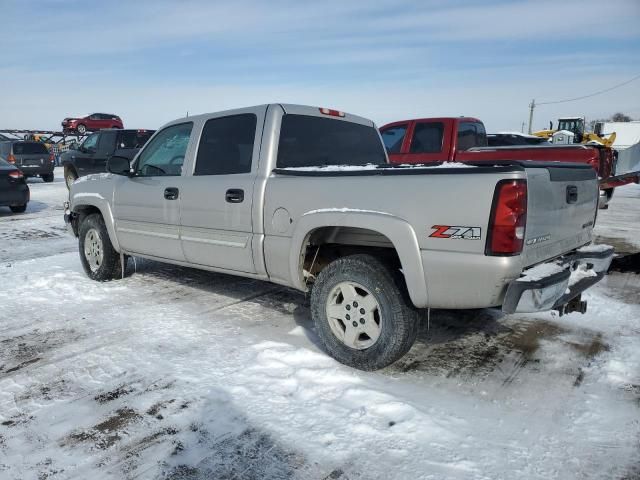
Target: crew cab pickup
<point>464,139</point>
<point>305,197</point>
<point>92,154</point>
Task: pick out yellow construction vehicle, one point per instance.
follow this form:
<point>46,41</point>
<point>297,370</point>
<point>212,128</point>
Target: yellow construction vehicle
<point>576,125</point>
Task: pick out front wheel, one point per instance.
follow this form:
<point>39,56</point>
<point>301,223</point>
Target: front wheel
<point>81,129</point>
<point>362,313</point>
<point>99,259</point>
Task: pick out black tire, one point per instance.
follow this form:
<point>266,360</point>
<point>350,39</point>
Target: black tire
<point>399,320</point>
<point>82,129</point>
<point>18,208</point>
<point>70,176</point>
<point>109,268</point>
<point>48,178</point>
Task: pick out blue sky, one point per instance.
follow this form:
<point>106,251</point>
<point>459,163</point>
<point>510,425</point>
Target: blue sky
<point>152,61</point>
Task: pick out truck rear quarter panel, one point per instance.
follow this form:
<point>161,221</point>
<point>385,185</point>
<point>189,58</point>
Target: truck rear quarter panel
<point>410,210</point>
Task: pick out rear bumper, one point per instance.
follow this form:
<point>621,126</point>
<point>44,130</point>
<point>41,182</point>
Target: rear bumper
<point>31,170</point>
<point>14,196</point>
<point>559,282</point>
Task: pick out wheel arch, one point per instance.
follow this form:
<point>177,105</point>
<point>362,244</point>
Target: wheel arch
<point>92,205</point>
<point>392,234</point>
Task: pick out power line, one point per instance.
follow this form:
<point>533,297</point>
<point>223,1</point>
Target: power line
<point>591,94</point>
<point>533,103</point>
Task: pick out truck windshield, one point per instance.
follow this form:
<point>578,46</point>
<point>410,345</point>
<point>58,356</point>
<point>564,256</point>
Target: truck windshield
<point>29,148</point>
<point>307,141</point>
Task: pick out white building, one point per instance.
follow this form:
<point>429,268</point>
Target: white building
<point>627,143</point>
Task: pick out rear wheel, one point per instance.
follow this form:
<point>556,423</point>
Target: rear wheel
<point>69,176</point>
<point>18,208</point>
<point>362,313</point>
<point>48,177</point>
<point>82,129</point>
<point>99,259</point>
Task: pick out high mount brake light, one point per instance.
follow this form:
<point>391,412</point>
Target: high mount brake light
<point>508,218</point>
<point>333,113</point>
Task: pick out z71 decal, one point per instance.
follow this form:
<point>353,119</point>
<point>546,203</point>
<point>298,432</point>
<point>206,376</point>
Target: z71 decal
<point>456,232</point>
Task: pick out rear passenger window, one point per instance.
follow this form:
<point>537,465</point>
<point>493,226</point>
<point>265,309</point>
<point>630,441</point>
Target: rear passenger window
<point>307,141</point>
<point>107,142</point>
<point>427,138</point>
<point>471,134</point>
<point>393,137</point>
<point>226,145</point>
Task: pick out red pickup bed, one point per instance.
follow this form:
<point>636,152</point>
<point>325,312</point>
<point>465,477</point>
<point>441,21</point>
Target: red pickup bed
<point>464,139</point>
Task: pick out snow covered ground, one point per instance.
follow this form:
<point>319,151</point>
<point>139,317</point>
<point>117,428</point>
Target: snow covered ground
<point>174,373</point>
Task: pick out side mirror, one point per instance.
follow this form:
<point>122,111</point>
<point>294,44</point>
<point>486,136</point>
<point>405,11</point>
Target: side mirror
<point>119,165</point>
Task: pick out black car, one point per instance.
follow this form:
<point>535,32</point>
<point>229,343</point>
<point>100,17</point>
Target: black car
<point>92,154</point>
<point>33,158</point>
<point>14,191</point>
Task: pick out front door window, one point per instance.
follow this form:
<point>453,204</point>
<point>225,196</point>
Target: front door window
<point>164,155</point>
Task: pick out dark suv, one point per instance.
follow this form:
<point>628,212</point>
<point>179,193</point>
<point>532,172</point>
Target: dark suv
<point>92,154</point>
<point>91,123</point>
<point>32,158</point>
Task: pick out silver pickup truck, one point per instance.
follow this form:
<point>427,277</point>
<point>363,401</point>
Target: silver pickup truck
<point>305,197</point>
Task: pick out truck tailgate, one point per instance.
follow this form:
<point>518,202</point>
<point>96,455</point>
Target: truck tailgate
<point>561,209</point>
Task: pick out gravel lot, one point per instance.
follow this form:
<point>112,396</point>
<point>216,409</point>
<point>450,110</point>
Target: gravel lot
<point>174,373</point>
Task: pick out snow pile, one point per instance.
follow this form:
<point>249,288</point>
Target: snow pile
<point>541,271</point>
<point>335,168</point>
<point>581,273</point>
<point>370,166</point>
<point>595,248</point>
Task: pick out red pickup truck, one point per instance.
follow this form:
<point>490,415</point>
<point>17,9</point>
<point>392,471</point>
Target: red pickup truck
<point>464,139</point>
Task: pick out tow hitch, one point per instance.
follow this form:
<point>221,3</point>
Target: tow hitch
<point>574,305</point>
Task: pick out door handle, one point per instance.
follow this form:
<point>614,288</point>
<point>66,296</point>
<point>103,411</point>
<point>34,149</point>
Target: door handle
<point>171,193</point>
<point>234,195</point>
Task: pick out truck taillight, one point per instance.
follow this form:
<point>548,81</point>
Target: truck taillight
<point>11,158</point>
<point>333,113</point>
<point>508,218</point>
<point>16,174</point>
<point>52,158</point>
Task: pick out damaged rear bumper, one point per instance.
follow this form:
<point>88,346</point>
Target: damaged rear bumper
<point>557,285</point>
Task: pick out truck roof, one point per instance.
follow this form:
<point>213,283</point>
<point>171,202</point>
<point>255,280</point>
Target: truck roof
<point>436,119</point>
<point>287,108</point>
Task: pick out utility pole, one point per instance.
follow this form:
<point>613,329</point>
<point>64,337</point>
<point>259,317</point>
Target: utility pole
<point>522,127</point>
<point>532,105</point>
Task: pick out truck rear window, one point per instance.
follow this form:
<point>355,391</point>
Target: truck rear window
<point>307,141</point>
<point>29,148</point>
<point>129,139</point>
